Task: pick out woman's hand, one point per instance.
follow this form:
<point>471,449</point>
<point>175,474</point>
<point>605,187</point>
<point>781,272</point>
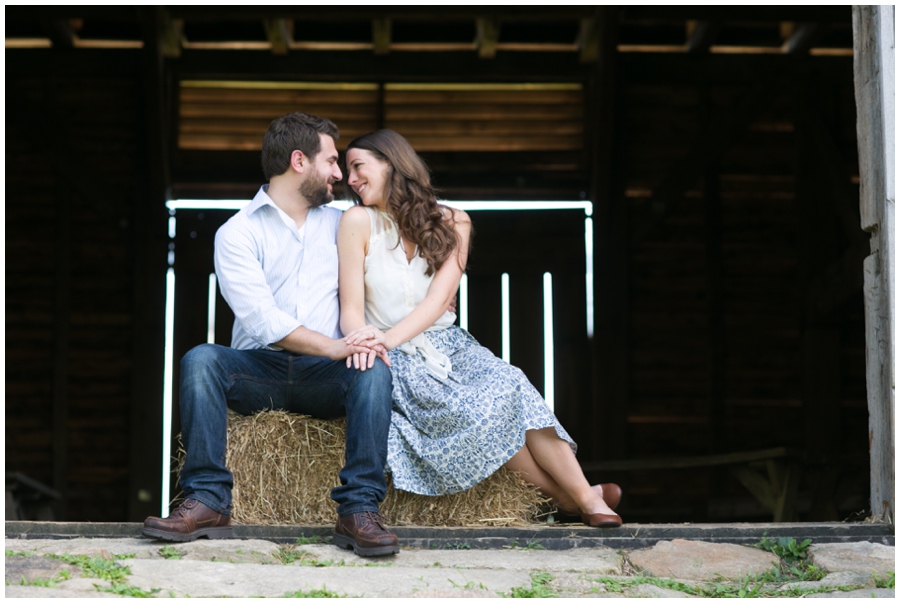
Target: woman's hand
<point>368,336</point>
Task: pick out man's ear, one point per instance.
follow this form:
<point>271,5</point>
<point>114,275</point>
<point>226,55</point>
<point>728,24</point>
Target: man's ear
<point>298,161</point>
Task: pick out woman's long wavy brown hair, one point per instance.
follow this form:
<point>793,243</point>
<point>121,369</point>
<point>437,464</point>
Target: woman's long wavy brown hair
<point>410,197</point>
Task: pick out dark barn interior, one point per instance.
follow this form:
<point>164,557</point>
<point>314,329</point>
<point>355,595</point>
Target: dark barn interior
<point>725,376</point>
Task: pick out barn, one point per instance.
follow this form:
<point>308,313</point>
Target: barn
<point>683,216</point>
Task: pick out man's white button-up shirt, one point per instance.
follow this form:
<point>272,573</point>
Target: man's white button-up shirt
<point>276,277</point>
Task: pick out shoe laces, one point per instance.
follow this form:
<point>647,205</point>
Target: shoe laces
<point>376,518</point>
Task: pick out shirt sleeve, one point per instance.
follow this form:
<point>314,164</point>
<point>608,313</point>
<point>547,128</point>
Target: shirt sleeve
<point>244,286</point>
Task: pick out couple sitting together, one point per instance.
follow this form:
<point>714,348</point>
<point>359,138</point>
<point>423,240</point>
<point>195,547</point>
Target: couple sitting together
<point>346,314</point>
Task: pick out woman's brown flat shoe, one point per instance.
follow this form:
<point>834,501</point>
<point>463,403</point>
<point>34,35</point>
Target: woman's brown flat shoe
<point>601,520</point>
<point>612,494</point>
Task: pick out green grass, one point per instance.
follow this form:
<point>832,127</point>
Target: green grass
<point>318,593</point>
<point>308,539</point>
<point>108,570</point>
<point>787,549</point>
<point>126,590</point>
<point>96,567</point>
<point>539,588</point>
<point>531,546</point>
<point>170,552</point>
<point>10,553</point>
<point>885,582</point>
<point>47,582</point>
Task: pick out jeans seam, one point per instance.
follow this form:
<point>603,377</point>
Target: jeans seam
<point>358,509</point>
<point>214,507</point>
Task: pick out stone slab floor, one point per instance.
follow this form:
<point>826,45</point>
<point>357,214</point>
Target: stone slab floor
<point>138,567</point>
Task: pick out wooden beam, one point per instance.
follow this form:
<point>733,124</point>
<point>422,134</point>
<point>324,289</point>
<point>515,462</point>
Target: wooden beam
<point>772,13</point>
<point>60,370</point>
<point>611,344</point>
<point>381,36</point>
<point>170,35</point>
<point>804,37</point>
<point>712,201</point>
<point>367,67</point>
<point>873,58</point>
<point>701,35</point>
<point>691,462</point>
<point>589,40</point>
<point>488,32</point>
<point>278,32</point>
<point>61,33</point>
<point>150,219</point>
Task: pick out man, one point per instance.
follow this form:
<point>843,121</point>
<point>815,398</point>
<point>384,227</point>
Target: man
<point>277,265</point>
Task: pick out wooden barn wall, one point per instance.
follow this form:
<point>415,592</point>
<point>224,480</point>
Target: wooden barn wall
<point>740,200</point>
<point>72,146</point>
<point>736,237</point>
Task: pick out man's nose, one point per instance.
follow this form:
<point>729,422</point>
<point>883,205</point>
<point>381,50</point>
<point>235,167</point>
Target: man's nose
<point>337,174</point>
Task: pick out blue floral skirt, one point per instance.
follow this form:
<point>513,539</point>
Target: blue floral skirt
<point>448,435</point>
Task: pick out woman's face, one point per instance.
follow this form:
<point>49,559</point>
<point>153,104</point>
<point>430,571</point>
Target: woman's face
<point>367,175</point>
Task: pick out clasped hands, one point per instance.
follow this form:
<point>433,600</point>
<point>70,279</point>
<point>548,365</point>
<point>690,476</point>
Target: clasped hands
<point>367,337</point>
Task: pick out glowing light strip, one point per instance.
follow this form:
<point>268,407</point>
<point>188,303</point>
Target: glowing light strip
<point>589,273</point>
<point>586,206</point>
<point>464,302</point>
<point>549,384</point>
<point>504,316</point>
<point>211,312</point>
<point>236,205</point>
<point>167,390</point>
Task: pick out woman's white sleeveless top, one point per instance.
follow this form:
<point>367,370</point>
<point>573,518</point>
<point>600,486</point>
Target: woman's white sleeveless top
<point>395,286</point>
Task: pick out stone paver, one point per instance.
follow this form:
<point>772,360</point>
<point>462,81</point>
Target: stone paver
<point>259,568</point>
<point>651,591</point>
<point>849,579</point>
<point>695,560</point>
<point>874,593</point>
<point>861,557</point>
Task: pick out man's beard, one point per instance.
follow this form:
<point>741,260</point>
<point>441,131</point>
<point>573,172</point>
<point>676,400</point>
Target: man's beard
<point>316,192</point>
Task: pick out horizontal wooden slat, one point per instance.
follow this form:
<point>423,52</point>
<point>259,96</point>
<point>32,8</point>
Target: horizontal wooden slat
<point>273,110</point>
<point>518,97</point>
<point>489,128</point>
<point>188,96</point>
<point>482,112</point>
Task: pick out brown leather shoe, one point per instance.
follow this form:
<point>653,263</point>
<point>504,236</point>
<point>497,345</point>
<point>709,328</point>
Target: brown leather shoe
<point>365,534</point>
<point>601,520</point>
<point>191,520</point>
<point>612,494</point>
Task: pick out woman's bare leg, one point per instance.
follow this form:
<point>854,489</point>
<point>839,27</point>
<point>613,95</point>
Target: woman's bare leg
<point>548,462</point>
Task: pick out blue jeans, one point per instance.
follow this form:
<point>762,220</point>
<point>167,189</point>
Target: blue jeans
<point>248,381</point>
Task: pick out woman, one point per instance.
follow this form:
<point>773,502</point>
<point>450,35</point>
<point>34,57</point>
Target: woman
<point>459,411</point>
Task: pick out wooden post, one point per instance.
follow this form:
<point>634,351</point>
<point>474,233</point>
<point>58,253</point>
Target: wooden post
<point>818,246</point>
<point>150,233</point>
<point>610,349</point>
<point>873,68</point>
<point>61,320</point>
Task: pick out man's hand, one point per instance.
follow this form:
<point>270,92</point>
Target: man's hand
<point>360,357</point>
<point>366,359</point>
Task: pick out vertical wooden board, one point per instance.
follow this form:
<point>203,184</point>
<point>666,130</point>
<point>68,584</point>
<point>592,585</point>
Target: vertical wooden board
<point>572,357</point>
<point>526,320</point>
<point>224,320</point>
<point>484,310</point>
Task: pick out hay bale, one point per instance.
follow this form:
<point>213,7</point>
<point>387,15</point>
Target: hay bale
<point>285,466</point>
